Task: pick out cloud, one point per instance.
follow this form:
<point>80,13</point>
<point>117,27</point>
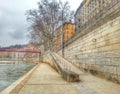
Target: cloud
<point>18,33</point>
<point>13,25</point>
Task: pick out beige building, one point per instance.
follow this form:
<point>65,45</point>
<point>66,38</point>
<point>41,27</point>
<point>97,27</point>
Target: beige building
<point>88,10</point>
<point>29,51</point>
<point>68,29</point>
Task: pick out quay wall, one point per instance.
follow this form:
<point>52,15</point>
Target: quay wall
<point>98,51</point>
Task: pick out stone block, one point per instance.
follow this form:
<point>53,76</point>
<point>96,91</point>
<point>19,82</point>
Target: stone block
<point>108,76</point>
<point>116,53</point>
<point>70,76</point>
<point>112,69</point>
<point>118,71</point>
<point>119,78</point>
<point>114,78</point>
<point>104,68</point>
<point>95,67</point>
<point>115,61</point>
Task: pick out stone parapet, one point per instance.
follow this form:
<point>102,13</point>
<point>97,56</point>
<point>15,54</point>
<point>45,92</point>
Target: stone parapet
<point>68,75</point>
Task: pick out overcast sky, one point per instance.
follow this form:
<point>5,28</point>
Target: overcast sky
<point>13,24</point>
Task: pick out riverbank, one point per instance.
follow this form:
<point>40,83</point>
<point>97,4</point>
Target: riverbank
<point>11,72</point>
<point>45,80</point>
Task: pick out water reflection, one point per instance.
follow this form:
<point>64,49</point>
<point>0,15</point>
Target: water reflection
<point>11,72</point>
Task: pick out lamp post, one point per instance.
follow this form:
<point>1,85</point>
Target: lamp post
<point>62,36</point>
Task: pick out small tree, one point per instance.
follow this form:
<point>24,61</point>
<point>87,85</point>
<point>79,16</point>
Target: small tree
<point>46,19</point>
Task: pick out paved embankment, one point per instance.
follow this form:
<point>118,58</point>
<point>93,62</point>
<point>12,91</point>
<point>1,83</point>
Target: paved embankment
<point>90,84</point>
<point>46,80</point>
<point>15,86</point>
<point>94,85</point>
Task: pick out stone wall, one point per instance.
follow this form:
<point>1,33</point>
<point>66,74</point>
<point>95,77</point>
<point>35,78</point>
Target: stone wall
<point>98,51</point>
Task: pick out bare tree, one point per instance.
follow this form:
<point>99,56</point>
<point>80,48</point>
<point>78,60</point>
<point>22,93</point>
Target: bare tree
<point>46,19</point>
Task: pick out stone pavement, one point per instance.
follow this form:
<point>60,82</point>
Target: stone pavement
<point>46,80</point>
<point>90,84</point>
<point>96,85</point>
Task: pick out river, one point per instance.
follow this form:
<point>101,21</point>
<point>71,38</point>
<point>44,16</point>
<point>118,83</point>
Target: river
<point>9,73</point>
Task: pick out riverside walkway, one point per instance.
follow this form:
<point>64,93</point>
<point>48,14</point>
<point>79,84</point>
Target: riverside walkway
<point>90,84</point>
<point>45,80</point>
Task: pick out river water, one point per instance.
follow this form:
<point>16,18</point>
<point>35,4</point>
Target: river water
<point>9,73</point>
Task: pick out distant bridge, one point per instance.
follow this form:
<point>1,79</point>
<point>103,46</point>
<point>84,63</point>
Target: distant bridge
<point>20,55</point>
<point>20,50</point>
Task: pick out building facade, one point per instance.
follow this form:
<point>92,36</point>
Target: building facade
<point>23,53</point>
<point>89,9</point>
<point>68,29</point>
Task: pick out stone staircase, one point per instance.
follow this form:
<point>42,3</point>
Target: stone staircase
<point>64,68</point>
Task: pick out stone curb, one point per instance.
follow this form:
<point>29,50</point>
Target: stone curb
<point>19,82</point>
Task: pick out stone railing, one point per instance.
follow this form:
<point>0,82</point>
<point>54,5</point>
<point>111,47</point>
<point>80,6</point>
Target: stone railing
<point>64,69</point>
